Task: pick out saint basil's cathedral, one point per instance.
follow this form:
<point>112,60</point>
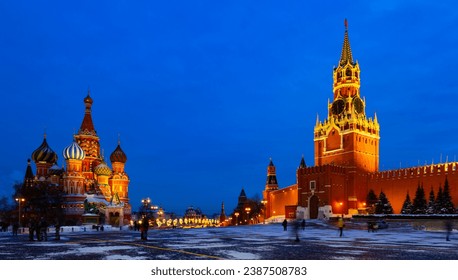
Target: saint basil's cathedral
<point>90,190</point>
<point>346,155</point>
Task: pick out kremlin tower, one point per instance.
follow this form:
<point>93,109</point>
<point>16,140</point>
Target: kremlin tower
<point>347,137</point>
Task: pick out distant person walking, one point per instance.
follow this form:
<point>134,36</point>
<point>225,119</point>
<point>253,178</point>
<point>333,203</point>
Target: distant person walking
<point>32,226</point>
<point>285,225</point>
<point>341,225</point>
<point>448,228</point>
<point>296,230</point>
<point>15,229</point>
<point>43,225</point>
<point>57,229</point>
<point>144,229</point>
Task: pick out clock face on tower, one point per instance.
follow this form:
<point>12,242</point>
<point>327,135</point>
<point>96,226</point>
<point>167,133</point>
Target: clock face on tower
<point>358,105</point>
<point>338,106</point>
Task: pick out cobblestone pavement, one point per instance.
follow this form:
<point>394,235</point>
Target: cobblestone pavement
<point>319,241</point>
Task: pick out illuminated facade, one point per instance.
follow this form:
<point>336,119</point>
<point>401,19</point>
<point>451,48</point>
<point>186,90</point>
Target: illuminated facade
<point>346,155</point>
<point>92,192</point>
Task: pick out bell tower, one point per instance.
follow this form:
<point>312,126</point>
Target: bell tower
<point>347,137</point>
<point>88,140</point>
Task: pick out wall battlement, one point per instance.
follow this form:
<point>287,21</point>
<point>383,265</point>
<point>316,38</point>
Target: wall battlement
<point>416,172</point>
<point>323,169</point>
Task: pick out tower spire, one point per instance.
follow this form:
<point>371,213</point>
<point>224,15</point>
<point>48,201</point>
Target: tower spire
<point>346,56</point>
<point>271,182</point>
<point>302,164</point>
<point>87,126</point>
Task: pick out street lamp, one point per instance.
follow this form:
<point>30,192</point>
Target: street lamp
<point>236,217</point>
<point>247,210</point>
<point>264,202</point>
<point>19,200</point>
<point>145,203</point>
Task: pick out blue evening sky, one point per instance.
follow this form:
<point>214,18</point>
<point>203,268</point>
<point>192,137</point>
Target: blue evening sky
<point>203,93</point>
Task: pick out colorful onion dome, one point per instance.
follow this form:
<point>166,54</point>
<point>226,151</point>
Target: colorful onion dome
<point>102,170</point>
<point>44,153</point>
<point>74,151</point>
<point>118,155</point>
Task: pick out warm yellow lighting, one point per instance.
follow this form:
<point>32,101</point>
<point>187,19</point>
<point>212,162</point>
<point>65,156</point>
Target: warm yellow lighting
<point>19,200</point>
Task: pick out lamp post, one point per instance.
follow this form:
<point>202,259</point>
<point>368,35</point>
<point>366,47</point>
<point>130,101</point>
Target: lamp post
<point>19,200</point>
<point>247,210</point>
<point>145,205</point>
<point>264,202</point>
<point>236,218</point>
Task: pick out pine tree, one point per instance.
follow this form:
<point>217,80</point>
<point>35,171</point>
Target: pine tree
<point>407,206</point>
<point>419,202</point>
<point>439,201</point>
<point>431,208</point>
<point>371,200</point>
<point>447,207</point>
<point>383,205</point>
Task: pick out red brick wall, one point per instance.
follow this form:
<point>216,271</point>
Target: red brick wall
<point>277,200</point>
<point>396,183</point>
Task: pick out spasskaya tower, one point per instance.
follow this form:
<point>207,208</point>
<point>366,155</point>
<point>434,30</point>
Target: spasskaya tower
<point>347,137</point>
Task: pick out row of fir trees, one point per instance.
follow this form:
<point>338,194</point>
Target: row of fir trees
<point>435,204</point>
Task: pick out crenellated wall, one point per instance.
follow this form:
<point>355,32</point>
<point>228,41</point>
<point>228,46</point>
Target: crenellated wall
<point>396,183</point>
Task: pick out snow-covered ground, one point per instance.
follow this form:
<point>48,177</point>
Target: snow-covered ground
<point>319,240</point>
<point>257,245</point>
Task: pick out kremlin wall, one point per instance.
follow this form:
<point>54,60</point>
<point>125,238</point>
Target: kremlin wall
<point>346,154</point>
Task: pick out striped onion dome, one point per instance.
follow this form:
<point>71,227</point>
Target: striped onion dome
<point>102,169</point>
<point>44,153</point>
<point>74,151</point>
<point>118,155</point>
